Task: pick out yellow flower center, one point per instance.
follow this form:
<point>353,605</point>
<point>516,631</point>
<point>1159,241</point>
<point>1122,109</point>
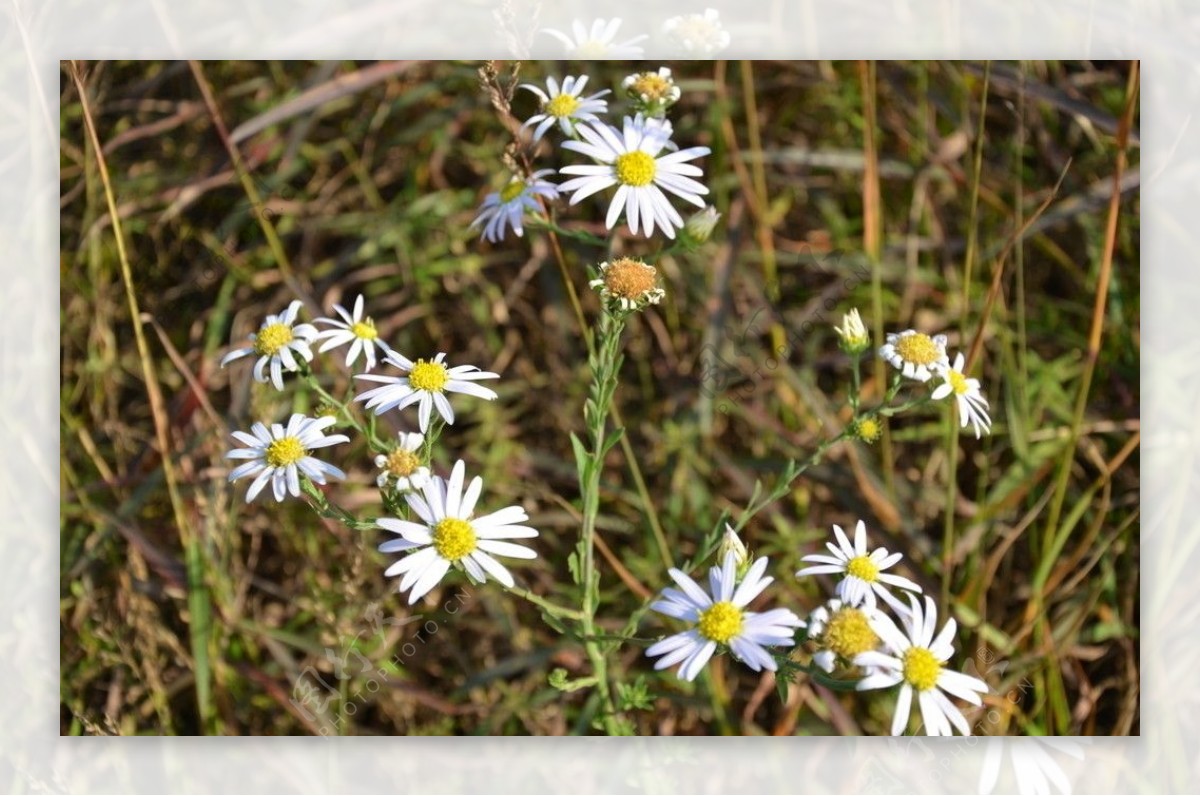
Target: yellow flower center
<point>271,338</point>
<point>849,633</point>
<point>958,382</point>
<point>402,463</point>
<point>918,349</point>
<point>863,567</point>
<point>453,538</point>
<point>921,668</point>
<point>721,622</point>
<point>562,105</point>
<point>365,330</point>
<point>428,376</point>
<point>630,279</point>
<point>635,168</point>
<point>868,429</point>
<point>652,86</point>
<point>512,191</point>
<point>283,452</point>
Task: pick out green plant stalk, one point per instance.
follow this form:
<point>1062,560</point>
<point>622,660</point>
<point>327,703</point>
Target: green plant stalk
<point>856,384</point>
<point>951,495</point>
<point>343,408</point>
<point>794,470</point>
<point>548,221</point>
<point>605,364</point>
<point>554,609</point>
<point>326,508</point>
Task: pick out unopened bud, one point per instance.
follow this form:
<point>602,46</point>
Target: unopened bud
<point>854,338</point>
<point>702,223</point>
<point>732,544</point>
<point>866,429</point>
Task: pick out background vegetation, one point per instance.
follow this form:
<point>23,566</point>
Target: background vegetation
<point>840,184</point>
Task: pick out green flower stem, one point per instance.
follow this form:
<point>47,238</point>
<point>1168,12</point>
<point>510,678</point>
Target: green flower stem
<point>344,412</point>
<point>436,424</point>
<point>856,384</point>
<point>790,473</point>
<point>605,363</point>
<point>330,510</point>
<point>545,222</point>
<point>554,609</point>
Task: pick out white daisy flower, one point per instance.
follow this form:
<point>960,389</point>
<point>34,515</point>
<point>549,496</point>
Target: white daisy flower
<point>721,620</point>
<point>425,382</point>
<point>918,356</point>
<point>403,464</point>
<point>699,34</point>
<point>653,91</point>
<point>507,208</point>
<point>842,631</point>
<point>629,284</point>
<point>281,455</point>
<point>597,42</point>
<point>864,572</point>
<point>629,159</point>
<point>972,406</point>
<point>275,343</point>
<point>354,329</point>
<point>449,533</point>
<point>565,106</point>
<point>917,663</point>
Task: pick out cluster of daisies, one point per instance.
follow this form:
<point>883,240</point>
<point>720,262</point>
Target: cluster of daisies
<point>879,639</point>
<point>438,527</point>
<point>922,358</point>
<point>853,629</point>
<point>876,639</point>
<point>637,159</point>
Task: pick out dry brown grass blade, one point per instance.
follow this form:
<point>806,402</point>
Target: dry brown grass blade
<point>624,574</point>
<point>1101,302</point>
<point>198,391</point>
<point>264,221</point>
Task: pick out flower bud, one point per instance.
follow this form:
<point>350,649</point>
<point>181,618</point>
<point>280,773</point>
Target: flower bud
<point>731,543</point>
<point>866,429</point>
<point>652,92</point>
<point>701,224</point>
<point>853,335</point>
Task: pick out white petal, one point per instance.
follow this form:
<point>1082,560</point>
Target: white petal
<point>903,707</point>
<point>433,573</point>
<point>506,549</point>
<point>692,666</point>
<point>494,567</point>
